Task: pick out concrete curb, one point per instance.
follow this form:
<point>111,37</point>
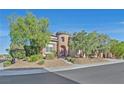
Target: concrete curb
<point>78,66</point>
<point>1,66</point>
<point>21,72</point>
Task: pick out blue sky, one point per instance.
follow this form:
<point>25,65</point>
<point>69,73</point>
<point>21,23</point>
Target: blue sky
<point>110,22</point>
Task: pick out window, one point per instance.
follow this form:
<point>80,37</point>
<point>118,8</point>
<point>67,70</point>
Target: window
<point>63,39</point>
<point>49,49</point>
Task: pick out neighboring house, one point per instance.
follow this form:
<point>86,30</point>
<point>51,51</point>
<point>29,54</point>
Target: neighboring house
<point>58,44</point>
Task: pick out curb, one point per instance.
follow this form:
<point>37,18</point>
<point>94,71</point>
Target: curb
<point>1,66</point>
<point>78,66</point>
<point>21,72</point>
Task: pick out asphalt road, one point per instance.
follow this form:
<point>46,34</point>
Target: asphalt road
<point>39,78</point>
<point>107,74</point>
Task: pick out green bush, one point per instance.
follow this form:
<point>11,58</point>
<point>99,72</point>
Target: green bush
<point>41,62</point>
<point>20,54</point>
<point>31,50</point>
<point>34,58</point>
<point>50,56</point>
<point>7,63</point>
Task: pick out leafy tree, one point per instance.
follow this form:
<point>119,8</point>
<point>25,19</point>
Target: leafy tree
<point>118,50</point>
<point>91,43</point>
<point>103,47</point>
<point>78,41</point>
<point>29,31</point>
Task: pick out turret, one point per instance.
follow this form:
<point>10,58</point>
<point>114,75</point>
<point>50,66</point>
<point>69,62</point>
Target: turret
<point>62,44</point>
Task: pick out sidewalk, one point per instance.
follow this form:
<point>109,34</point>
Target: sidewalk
<point>1,66</point>
<point>22,71</point>
<point>77,66</point>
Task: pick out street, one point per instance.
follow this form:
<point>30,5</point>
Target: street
<point>39,78</point>
<point>106,74</point>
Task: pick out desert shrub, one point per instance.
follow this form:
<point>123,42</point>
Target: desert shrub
<point>34,58</point>
<point>1,56</point>
<point>68,58</point>
<point>41,62</point>
<point>8,57</point>
<point>50,56</point>
<point>20,54</point>
<point>72,60</point>
<point>7,63</point>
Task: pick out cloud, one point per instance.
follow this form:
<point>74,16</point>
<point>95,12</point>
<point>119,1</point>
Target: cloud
<point>122,22</point>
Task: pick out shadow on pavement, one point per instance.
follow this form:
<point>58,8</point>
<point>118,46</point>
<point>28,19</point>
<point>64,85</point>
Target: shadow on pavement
<point>34,78</point>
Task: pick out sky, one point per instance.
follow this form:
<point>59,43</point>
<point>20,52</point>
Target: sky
<point>110,22</point>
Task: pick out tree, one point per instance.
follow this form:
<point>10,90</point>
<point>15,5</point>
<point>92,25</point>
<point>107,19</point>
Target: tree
<point>29,32</point>
<point>111,44</point>
<point>78,41</point>
<point>91,44</point>
<point>103,47</point>
<point>118,50</point>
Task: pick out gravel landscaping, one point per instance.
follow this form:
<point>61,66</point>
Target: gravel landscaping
<point>89,60</point>
<point>54,63</point>
<point>47,63</point>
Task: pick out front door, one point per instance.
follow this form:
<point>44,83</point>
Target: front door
<point>63,51</point>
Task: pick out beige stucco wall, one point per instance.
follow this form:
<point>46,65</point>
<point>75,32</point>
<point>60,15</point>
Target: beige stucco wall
<point>61,43</point>
<point>58,43</point>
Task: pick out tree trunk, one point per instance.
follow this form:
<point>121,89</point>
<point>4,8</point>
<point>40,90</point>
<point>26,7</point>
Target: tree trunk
<point>105,55</point>
<point>110,55</point>
<point>84,56</point>
<point>101,55</point>
<point>96,55</point>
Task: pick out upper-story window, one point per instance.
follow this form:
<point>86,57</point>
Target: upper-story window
<point>63,39</point>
